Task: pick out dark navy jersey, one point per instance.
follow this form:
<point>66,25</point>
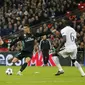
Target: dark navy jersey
<point>28,41</point>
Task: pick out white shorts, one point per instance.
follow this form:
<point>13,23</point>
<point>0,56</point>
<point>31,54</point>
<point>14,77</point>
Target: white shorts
<point>70,51</point>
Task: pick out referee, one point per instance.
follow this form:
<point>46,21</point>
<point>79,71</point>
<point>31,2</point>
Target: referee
<point>45,46</point>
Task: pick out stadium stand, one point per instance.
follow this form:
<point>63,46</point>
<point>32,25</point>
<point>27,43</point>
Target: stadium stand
<point>41,15</point>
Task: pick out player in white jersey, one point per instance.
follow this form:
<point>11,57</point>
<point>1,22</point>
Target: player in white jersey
<point>68,48</point>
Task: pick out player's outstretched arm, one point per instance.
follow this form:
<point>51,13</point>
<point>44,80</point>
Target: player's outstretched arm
<point>1,41</point>
<point>13,43</point>
<point>20,38</point>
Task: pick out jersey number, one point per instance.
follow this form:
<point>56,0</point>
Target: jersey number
<point>72,37</point>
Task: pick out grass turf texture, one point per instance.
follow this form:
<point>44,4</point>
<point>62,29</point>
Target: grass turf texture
<point>42,76</point>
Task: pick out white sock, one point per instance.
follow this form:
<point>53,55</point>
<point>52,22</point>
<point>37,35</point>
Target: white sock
<point>56,61</point>
<point>79,67</point>
<point>59,67</point>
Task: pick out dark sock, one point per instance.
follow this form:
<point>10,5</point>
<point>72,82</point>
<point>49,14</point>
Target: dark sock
<point>23,67</point>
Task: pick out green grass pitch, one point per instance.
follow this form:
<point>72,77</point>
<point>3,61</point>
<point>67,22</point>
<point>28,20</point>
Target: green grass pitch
<point>42,76</point>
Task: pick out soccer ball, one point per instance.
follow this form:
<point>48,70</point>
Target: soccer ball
<point>9,71</point>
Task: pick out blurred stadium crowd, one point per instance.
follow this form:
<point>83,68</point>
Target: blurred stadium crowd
<point>42,15</point>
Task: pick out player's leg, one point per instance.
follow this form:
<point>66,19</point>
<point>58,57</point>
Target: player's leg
<point>76,64</point>
<point>14,60</point>
<point>25,64</point>
<point>64,54</point>
<point>27,59</point>
<point>57,62</point>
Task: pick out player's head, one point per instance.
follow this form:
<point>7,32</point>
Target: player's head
<point>68,23</point>
<point>26,29</point>
<point>44,37</point>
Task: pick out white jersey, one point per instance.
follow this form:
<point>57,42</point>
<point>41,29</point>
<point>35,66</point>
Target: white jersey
<point>70,34</point>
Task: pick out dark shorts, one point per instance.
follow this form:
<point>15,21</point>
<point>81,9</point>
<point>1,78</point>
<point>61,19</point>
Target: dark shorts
<point>22,55</point>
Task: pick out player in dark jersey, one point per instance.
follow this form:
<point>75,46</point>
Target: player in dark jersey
<point>28,38</point>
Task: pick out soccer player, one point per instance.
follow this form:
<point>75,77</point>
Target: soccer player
<point>1,41</point>
<point>68,48</point>
<point>28,39</point>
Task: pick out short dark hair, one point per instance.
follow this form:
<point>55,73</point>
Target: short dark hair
<point>68,23</point>
<point>27,25</point>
